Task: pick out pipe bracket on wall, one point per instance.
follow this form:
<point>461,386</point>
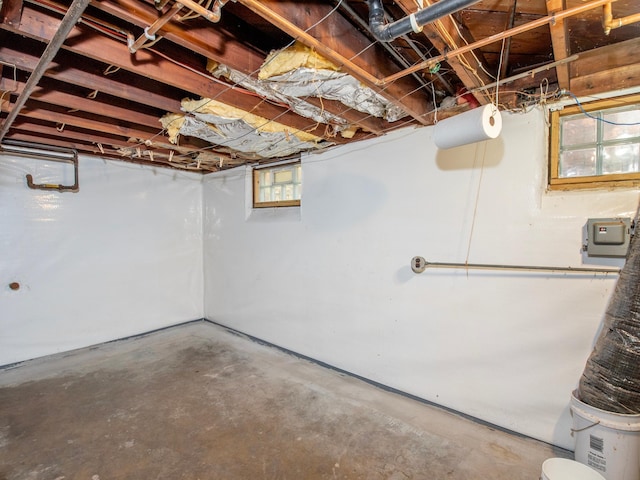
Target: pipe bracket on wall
<point>419,265</point>
<point>44,152</point>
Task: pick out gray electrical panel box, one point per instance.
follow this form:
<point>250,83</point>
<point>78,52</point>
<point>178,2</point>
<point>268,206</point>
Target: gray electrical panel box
<point>608,237</point>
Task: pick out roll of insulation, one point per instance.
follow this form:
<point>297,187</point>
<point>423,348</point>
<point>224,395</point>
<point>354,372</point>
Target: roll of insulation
<point>482,123</point>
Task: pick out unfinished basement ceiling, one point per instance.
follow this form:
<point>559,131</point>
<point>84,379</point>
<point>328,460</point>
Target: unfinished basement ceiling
<point>251,81</point>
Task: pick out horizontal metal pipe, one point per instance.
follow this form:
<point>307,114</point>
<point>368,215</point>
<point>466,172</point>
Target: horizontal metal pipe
<point>494,38</point>
<point>419,265</point>
<point>528,73</point>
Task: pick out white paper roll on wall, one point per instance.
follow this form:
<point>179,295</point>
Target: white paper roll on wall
<point>482,123</point>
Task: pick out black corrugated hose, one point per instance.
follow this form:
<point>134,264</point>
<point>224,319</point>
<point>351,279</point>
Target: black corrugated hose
<point>611,378</point>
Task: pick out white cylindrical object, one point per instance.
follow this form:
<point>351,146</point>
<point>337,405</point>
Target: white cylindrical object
<point>565,469</point>
<point>482,123</point>
<point>606,441</point>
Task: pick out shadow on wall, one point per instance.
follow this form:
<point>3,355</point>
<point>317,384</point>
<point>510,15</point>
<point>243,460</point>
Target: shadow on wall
<point>338,202</point>
<point>404,274</point>
<point>466,157</point>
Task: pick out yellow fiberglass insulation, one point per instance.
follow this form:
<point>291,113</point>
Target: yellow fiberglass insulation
<point>172,123</point>
<point>296,56</point>
<point>206,106</point>
<point>236,130</point>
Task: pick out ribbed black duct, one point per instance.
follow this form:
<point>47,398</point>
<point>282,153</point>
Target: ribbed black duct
<point>388,32</point>
<point>611,378</point>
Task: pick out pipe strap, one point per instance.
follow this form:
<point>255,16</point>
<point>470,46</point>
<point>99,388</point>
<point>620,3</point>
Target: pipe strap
<point>414,24</point>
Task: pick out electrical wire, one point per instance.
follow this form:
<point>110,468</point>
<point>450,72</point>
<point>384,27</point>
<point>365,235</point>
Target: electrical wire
<point>115,32</point>
<point>496,103</point>
<point>118,34</point>
<point>599,119</point>
<point>267,121</point>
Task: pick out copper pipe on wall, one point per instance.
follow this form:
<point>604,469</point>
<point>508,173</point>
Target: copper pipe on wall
<point>609,23</point>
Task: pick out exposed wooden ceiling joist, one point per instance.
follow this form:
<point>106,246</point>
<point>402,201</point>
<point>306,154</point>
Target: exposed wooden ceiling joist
<point>182,73</point>
<point>99,97</point>
<point>336,39</point>
<point>559,36</point>
<point>445,35</point>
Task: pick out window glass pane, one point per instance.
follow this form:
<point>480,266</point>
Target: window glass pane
<point>578,163</point>
<point>288,192</point>
<point>578,130</point>
<point>612,132</point>
<point>282,183</point>
<point>621,159</point>
<point>284,176</point>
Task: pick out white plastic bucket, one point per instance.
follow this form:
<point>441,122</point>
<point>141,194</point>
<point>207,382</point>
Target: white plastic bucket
<point>565,469</point>
<point>606,441</point>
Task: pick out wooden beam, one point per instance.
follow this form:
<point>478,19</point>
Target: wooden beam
<point>214,44</point>
<point>31,125</point>
<point>604,58</point>
<point>88,105</point>
<point>62,69</point>
<point>10,12</point>
<point>29,131</point>
<point>71,17</point>
<point>336,39</point>
<point>500,36</point>
<point>207,40</point>
<point>40,26</point>
<point>123,130</point>
<point>617,78</point>
<point>62,119</point>
<point>609,68</point>
<point>507,45</point>
<point>560,41</point>
<point>159,159</point>
<point>445,35</point>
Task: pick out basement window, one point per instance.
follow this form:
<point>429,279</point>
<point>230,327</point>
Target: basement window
<point>596,144</point>
<point>278,186</point>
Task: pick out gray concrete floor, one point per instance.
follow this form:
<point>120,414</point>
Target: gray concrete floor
<point>197,402</point>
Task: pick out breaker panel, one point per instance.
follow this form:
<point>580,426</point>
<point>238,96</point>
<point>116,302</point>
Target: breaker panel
<point>608,237</point>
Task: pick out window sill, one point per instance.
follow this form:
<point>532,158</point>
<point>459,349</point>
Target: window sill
<point>278,214</point>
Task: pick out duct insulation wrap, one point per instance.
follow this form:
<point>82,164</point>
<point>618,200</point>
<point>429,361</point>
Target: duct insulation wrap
<point>611,378</point>
<point>300,72</point>
<point>267,90</point>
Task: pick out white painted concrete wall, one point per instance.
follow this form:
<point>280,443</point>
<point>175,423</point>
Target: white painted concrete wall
<point>121,257</point>
<point>332,280</point>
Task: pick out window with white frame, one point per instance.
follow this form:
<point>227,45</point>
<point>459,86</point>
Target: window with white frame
<point>278,186</point>
<point>596,144</point>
